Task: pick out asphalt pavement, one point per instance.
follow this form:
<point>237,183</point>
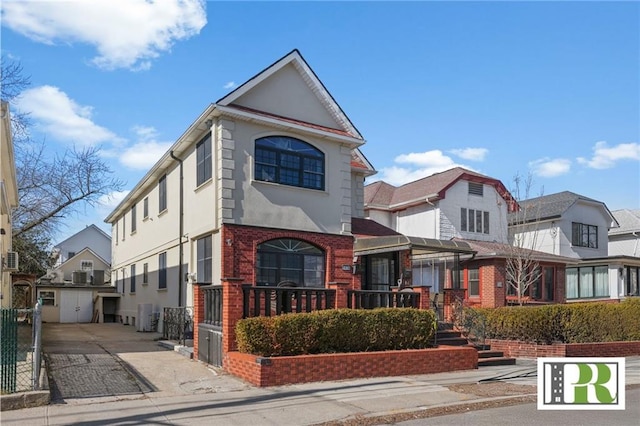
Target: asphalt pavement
<point>111,374</point>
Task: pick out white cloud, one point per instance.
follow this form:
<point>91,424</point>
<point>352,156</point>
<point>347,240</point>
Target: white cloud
<point>425,164</point>
<point>605,157</point>
<point>145,151</point>
<point>62,118</point>
<point>230,85</point>
<point>546,167</point>
<point>125,33</point>
<point>471,154</point>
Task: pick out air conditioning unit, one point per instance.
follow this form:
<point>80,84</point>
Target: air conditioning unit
<point>79,277</point>
<point>12,261</point>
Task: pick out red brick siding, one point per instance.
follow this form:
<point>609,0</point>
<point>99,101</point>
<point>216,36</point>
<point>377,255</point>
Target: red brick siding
<point>239,255</point>
<point>514,348</point>
<point>312,368</point>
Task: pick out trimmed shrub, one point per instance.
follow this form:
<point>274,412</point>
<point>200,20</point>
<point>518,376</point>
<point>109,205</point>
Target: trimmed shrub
<point>337,331</point>
<point>574,323</point>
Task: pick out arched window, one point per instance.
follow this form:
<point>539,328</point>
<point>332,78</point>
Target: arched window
<point>293,261</point>
<point>289,161</point>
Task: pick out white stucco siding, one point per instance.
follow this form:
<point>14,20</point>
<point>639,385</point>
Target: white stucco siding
<point>273,205</point>
<point>285,93</point>
<point>419,221</point>
<point>457,197</point>
<point>588,215</point>
<point>357,195</point>
<point>626,245</point>
<point>382,217</point>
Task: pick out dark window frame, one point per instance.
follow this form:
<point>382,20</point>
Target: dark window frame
<point>204,165</point>
<point>162,271</point>
<point>132,280</point>
<point>145,273</point>
<point>204,262</point>
<point>162,194</point>
<point>133,218</point>
<point>290,259</point>
<point>145,208</point>
<point>581,235</point>
<point>289,161</point>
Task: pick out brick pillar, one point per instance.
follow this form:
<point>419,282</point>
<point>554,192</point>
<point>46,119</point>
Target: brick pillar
<point>425,302</point>
<point>341,289</point>
<point>450,296</point>
<point>231,312</point>
<point>198,315</point>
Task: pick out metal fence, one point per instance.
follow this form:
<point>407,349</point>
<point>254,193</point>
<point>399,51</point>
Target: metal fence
<point>20,349</point>
<point>177,324</point>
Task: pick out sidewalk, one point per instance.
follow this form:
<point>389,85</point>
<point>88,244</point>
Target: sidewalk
<point>180,391</point>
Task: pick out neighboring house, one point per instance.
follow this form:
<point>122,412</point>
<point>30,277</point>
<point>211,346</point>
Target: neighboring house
<point>459,206</point>
<point>79,288</point>
<point>261,187</point>
<point>574,226</point>
<point>90,236</point>
<point>624,245</point>
<point>8,201</point>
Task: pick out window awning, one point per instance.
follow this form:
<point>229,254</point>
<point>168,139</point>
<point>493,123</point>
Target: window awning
<point>417,245</point>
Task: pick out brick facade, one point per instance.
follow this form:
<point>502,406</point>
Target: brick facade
<point>241,244</point>
<point>518,349</point>
<point>278,371</point>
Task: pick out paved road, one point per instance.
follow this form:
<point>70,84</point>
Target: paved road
<point>175,390</point>
<point>528,415</point>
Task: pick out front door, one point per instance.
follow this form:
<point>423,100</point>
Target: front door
<point>381,272</point>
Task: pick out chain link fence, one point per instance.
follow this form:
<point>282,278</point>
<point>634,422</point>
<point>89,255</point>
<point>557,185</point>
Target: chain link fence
<point>20,349</point>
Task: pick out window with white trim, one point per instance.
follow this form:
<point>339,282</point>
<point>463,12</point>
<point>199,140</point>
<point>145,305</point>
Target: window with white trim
<point>203,160</point>
<point>48,297</point>
<point>474,221</point>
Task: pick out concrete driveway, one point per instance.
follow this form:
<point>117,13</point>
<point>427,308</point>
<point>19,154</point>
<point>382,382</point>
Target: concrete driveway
<point>114,361</point>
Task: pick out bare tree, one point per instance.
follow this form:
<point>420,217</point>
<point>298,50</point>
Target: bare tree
<point>50,188</point>
<point>522,270</point>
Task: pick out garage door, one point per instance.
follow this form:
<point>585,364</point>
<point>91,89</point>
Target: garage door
<point>76,306</point>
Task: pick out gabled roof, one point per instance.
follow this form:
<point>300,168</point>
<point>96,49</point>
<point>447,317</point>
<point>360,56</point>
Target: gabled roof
<point>492,249</point>
<point>553,206</point>
<point>629,221</point>
<point>346,134</point>
<point>295,58</point>
<point>80,254</point>
<point>84,230</point>
<point>432,188</point>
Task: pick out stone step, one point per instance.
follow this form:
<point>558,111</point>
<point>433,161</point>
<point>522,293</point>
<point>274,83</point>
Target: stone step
<point>447,334</point>
<point>485,362</point>
<point>483,353</point>
<point>452,341</point>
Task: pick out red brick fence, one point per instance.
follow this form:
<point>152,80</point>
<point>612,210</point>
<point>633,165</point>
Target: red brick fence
<point>519,349</point>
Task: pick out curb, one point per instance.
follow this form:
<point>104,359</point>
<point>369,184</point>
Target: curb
<point>28,399</point>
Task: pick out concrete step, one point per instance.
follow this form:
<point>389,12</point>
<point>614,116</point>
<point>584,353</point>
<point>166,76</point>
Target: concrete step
<point>490,354</point>
<point>484,362</point>
<point>448,334</point>
<point>452,341</point>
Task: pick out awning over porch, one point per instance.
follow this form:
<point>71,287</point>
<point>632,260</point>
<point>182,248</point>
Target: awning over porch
<point>417,245</point>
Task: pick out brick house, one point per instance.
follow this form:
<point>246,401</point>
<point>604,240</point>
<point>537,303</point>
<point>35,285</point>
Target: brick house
<point>261,187</point>
<point>459,206</point>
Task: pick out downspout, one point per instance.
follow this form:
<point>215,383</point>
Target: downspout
<point>180,244</point>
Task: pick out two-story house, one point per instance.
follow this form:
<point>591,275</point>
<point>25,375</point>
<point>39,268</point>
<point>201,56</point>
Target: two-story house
<point>577,227</point>
<point>261,187</point>
<point>91,236</point>
<point>77,288</point>
<point>464,207</point>
<point>8,201</point>
<point>624,246</point>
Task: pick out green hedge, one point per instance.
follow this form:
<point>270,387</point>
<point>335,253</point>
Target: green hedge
<point>336,331</point>
<point>571,323</point>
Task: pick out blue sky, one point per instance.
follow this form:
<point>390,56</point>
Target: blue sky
<point>502,88</point>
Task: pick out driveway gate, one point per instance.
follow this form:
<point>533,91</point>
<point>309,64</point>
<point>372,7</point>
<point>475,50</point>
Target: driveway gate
<point>210,330</point>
